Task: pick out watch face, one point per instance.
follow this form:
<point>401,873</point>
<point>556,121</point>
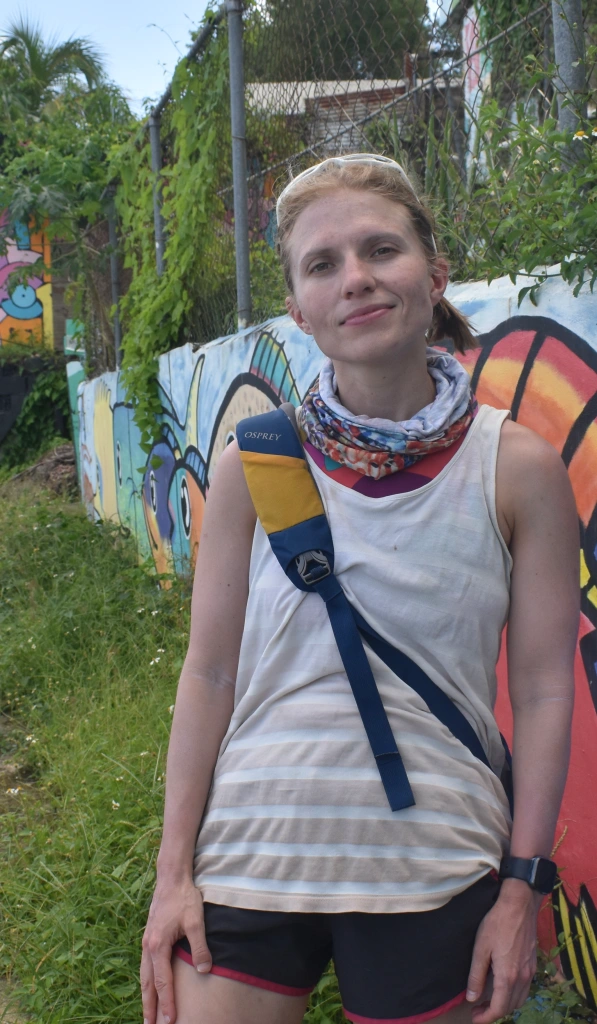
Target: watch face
<point>545,875</point>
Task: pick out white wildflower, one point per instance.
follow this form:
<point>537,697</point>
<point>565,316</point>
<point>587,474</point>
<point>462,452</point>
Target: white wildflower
<point>115,805</point>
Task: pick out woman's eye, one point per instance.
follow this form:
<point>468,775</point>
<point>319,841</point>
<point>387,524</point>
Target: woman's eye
<point>318,267</point>
<point>383,250</point>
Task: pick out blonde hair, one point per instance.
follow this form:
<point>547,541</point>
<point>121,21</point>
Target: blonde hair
<point>383,180</point>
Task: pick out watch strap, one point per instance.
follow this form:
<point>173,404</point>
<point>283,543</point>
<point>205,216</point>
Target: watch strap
<point>530,870</point>
<point>517,867</point>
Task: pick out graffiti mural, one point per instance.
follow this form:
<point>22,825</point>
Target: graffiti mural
<point>541,363</point>
<point>159,498</point>
<point>25,302</point>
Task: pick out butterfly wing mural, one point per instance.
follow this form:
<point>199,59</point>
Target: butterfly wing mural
<point>547,376</point>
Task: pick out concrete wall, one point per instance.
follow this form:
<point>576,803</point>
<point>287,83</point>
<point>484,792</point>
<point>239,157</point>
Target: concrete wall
<point>539,362</point>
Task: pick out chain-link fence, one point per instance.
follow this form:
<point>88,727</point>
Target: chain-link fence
<point>450,89</point>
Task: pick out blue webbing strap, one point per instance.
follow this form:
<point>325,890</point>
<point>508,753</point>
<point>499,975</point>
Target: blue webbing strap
<point>362,681</point>
<point>435,698</point>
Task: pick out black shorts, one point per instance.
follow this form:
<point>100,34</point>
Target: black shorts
<point>395,968</point>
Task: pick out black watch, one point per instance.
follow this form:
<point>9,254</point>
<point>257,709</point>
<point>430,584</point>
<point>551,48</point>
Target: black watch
<point>539,872</point>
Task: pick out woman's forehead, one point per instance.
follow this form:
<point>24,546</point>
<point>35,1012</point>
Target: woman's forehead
<point>345,215</point>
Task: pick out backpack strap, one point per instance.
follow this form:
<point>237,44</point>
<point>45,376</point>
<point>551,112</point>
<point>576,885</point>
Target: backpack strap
<point>292,514</point>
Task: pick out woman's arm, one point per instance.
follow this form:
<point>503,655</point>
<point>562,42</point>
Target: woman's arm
<point>204,705</point>
<point>536,504</point>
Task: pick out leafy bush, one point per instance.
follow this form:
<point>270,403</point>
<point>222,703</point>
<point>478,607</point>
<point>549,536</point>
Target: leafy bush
<point>45,407</point>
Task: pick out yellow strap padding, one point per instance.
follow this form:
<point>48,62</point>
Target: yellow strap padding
<point>282,490</point>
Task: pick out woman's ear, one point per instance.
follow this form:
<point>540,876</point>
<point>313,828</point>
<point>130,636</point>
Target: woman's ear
<point>296,315</point>
<point>439,276</point>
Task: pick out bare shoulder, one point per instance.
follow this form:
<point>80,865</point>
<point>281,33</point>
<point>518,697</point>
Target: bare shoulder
<point>228,495</point>
<point>531,479</point>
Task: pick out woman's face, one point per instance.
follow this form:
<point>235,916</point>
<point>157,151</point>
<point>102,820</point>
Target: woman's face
<point>362,286</point>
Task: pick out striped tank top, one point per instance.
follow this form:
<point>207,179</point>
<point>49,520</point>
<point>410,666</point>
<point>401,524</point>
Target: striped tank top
<point>297,818</point>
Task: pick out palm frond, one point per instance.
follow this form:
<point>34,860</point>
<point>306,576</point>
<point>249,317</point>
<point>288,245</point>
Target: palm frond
<point>77,55</point>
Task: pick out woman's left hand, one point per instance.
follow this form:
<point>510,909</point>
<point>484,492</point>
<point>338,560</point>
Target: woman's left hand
<point>506,943</point>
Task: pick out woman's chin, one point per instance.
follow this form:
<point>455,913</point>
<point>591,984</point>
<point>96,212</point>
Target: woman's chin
<point>371,349</point>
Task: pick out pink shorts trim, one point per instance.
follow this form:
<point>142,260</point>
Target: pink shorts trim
<point>417,1018</point>
<point>270,986</point>
<point>246,979</point>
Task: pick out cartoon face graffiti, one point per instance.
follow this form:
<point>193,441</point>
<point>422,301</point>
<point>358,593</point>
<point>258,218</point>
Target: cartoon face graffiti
<point>173,502</point>
<point>25,302</point>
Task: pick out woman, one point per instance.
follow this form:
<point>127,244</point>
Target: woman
<point>279,847</point>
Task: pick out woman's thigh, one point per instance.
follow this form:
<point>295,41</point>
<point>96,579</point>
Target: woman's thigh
<point>211,999</point>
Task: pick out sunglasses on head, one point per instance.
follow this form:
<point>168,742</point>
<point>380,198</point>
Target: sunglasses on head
<point>349,158</point>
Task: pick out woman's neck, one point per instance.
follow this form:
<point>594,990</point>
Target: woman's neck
<point>394,391</point>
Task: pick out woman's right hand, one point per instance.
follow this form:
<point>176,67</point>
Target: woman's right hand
<point>176,910</point>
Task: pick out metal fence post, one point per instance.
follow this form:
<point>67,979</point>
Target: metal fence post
<point>156,167</point>
<point>113,242</point>
<point>239,161</point>
<point>569,53</point>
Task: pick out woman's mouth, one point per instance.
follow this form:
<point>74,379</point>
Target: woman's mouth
<point>366,315</point>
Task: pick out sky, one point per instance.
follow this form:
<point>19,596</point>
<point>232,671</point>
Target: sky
<point>141,39</point>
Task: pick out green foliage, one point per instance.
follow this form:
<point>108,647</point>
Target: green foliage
<point>534,206</point>
<point>54,175</point>
<point>162,312</point>
<point>529,201</point>
<point>34,430</point>
<point>88,695</point>
<point>58,177</point>
<point>332,39</point>
<point>325,1004</point>
<point>551,1001</point>
<point>268,289</point>
<point>41,67</point>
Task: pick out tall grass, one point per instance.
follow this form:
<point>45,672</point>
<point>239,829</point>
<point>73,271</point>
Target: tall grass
<point>90,652</point>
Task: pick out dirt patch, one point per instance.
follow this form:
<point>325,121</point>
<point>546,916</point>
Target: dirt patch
<point>13,781</point>
<point>9,1013</point>
<point>56,470</point>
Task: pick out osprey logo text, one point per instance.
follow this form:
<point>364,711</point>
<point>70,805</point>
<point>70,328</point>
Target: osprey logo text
<point>264,435</point>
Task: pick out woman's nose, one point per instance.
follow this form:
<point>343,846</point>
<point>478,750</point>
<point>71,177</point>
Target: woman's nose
<point>357,276</point>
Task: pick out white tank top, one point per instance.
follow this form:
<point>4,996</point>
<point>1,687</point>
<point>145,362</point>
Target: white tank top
<point>297,818</point>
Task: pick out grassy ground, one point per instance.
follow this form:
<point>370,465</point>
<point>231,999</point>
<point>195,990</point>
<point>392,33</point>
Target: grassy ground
<point>90,651</point>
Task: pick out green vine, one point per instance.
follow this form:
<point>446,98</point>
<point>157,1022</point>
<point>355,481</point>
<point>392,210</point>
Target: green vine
<point>160,313</point>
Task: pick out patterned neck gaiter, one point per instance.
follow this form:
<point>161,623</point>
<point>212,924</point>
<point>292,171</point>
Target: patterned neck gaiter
<point>377,447</point>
